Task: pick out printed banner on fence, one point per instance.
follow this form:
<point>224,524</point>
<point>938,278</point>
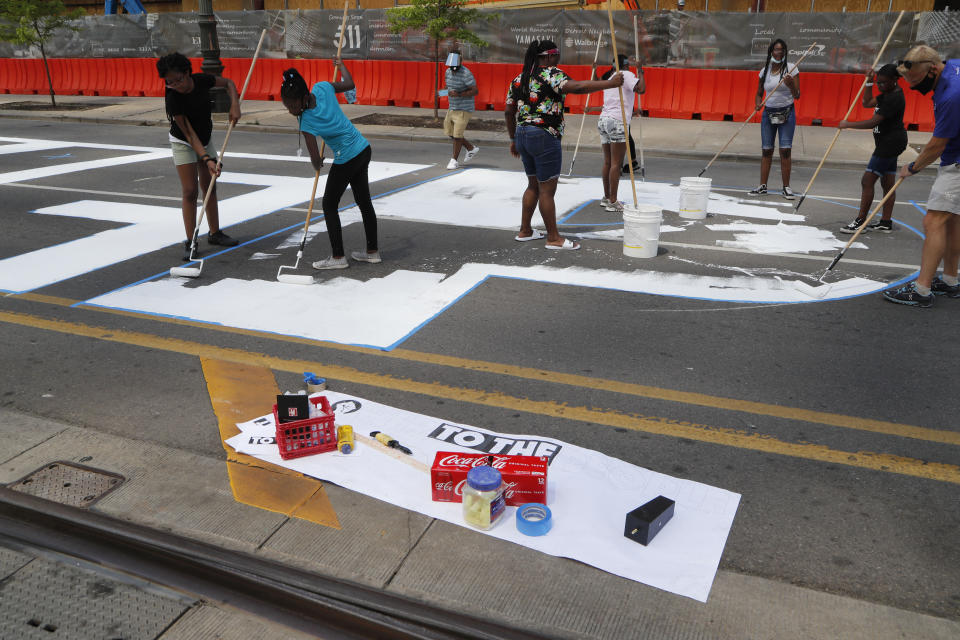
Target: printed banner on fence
<point>845,42</point>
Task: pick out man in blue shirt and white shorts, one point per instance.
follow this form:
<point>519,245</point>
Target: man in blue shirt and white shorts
<point>925,71</point>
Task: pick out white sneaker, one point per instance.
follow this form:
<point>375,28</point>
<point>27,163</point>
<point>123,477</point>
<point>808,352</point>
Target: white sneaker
<point>604,202</point>
<point>471,154</point>
<point>331,263</point>
<point>363,256</point>
<point>453,164</point>
<point>615,206</point>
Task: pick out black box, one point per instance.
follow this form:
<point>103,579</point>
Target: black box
<point>291,408</point>
<point>645,522</point>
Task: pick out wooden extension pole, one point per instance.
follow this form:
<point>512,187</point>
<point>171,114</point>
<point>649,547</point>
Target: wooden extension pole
<point>849,111</point>
<point>586,104</point>
<point>860,229</point>
<point>636,56</point>
<point>226,139</point>
<point>750,117</point>
<point>623,114</point>
<point>343,29</point>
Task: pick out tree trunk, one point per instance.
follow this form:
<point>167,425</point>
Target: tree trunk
<point>436,79</point>
<point>46,67</point>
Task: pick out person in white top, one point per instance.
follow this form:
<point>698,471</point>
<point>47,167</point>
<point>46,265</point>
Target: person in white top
<point>778,118</point>
<point>613,135</point>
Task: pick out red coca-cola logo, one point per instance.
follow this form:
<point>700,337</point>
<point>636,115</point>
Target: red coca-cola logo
<point>455,460</point>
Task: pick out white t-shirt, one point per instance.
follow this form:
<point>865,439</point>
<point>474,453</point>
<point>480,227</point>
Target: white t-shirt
<point>611,98</point>
<point>782,97</point>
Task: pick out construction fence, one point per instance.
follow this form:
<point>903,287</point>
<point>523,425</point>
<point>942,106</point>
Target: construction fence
<point>842,42</point>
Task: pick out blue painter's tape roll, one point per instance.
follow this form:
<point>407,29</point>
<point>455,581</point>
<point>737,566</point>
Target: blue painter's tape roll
<point>534,519</point>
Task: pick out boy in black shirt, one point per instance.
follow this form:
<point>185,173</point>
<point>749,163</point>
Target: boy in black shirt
<point>890,138</point>
<point>188,109</point>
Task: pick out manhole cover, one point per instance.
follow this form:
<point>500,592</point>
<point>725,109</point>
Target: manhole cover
<point>68,483</point>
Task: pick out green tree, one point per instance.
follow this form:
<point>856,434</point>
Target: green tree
<point>32,22</point>
<point>440,20</point>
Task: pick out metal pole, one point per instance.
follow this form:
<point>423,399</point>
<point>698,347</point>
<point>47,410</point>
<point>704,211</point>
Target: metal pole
<point>210,49</point>
<point>812,1</point>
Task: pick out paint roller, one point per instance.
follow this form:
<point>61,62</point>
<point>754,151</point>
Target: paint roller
<point>567,179</point>
<point>750,117</point>
<point>292,278</point>
<point>820,288</point>
<point>194,272</point>
<point>853,104</point>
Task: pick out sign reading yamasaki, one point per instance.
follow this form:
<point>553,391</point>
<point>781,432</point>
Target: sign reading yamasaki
<point>588,492</point>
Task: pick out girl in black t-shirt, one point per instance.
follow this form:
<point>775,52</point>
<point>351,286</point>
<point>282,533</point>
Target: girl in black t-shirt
<point>188,109</point>
<point>890,139</point>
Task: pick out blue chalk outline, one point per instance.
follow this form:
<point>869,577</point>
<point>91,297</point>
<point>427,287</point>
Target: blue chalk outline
<point>416,329</point>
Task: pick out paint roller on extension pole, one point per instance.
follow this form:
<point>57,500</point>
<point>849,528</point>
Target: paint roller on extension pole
<point>292,278</point>
<point>194,272</point>
<point>636,56</point>
<point>750,117</point>
<point>849,111</point>
<point>567,179</point>
<point>820,291</point>
<point>623,113</point>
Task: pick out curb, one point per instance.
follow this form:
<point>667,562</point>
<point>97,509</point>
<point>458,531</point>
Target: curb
<point>406,134</point>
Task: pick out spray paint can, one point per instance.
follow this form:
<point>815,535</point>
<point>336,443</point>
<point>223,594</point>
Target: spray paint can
<point>345,442</point>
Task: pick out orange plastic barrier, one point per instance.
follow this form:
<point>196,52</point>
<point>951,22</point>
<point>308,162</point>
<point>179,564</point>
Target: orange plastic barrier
<point>26,76</point>
<point>710,94</point>
<point>658,100</point>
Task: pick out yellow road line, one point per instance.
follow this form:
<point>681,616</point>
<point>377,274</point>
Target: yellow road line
<point>613,386</point>
<point>237,393</point>
<point>660,426</point>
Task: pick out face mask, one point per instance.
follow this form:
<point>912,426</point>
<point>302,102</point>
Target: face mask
<point>776,60</point>
<point>925,85</point>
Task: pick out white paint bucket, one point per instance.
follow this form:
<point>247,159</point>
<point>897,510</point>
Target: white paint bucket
<point>694,193</point>
<point>641,230</point>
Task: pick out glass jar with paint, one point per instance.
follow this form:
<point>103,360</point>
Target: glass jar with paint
<point>483,499</point>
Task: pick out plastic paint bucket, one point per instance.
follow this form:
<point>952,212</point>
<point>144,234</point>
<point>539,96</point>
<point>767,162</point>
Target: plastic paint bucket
<point>641,230</point>
<point>694,193</point>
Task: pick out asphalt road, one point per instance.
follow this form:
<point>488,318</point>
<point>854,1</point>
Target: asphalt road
<point>858,497</point>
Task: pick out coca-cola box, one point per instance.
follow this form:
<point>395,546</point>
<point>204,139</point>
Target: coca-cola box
<point>524,477</point>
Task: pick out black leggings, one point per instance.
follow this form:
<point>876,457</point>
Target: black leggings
<point>354,173</point>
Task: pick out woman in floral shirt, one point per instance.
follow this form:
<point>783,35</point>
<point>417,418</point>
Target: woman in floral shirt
<point>534,116</point>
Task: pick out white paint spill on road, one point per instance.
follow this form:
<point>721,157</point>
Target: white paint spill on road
<point>491,199</point>
<point>779,238</point>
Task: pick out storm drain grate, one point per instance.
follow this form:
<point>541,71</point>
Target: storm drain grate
<point>68,483</point>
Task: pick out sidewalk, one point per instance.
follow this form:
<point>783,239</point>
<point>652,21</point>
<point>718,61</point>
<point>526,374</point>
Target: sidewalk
<point>410,555</point>
<point>661,136</point>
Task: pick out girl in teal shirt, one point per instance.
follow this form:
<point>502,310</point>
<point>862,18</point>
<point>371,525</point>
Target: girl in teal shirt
<point>320,116</point>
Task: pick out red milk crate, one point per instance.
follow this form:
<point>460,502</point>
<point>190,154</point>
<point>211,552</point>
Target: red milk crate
<point>307,437</point>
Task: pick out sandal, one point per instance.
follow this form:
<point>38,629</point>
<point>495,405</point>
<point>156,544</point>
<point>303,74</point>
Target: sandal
<point>536,235</point>
<point>568,245</point>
